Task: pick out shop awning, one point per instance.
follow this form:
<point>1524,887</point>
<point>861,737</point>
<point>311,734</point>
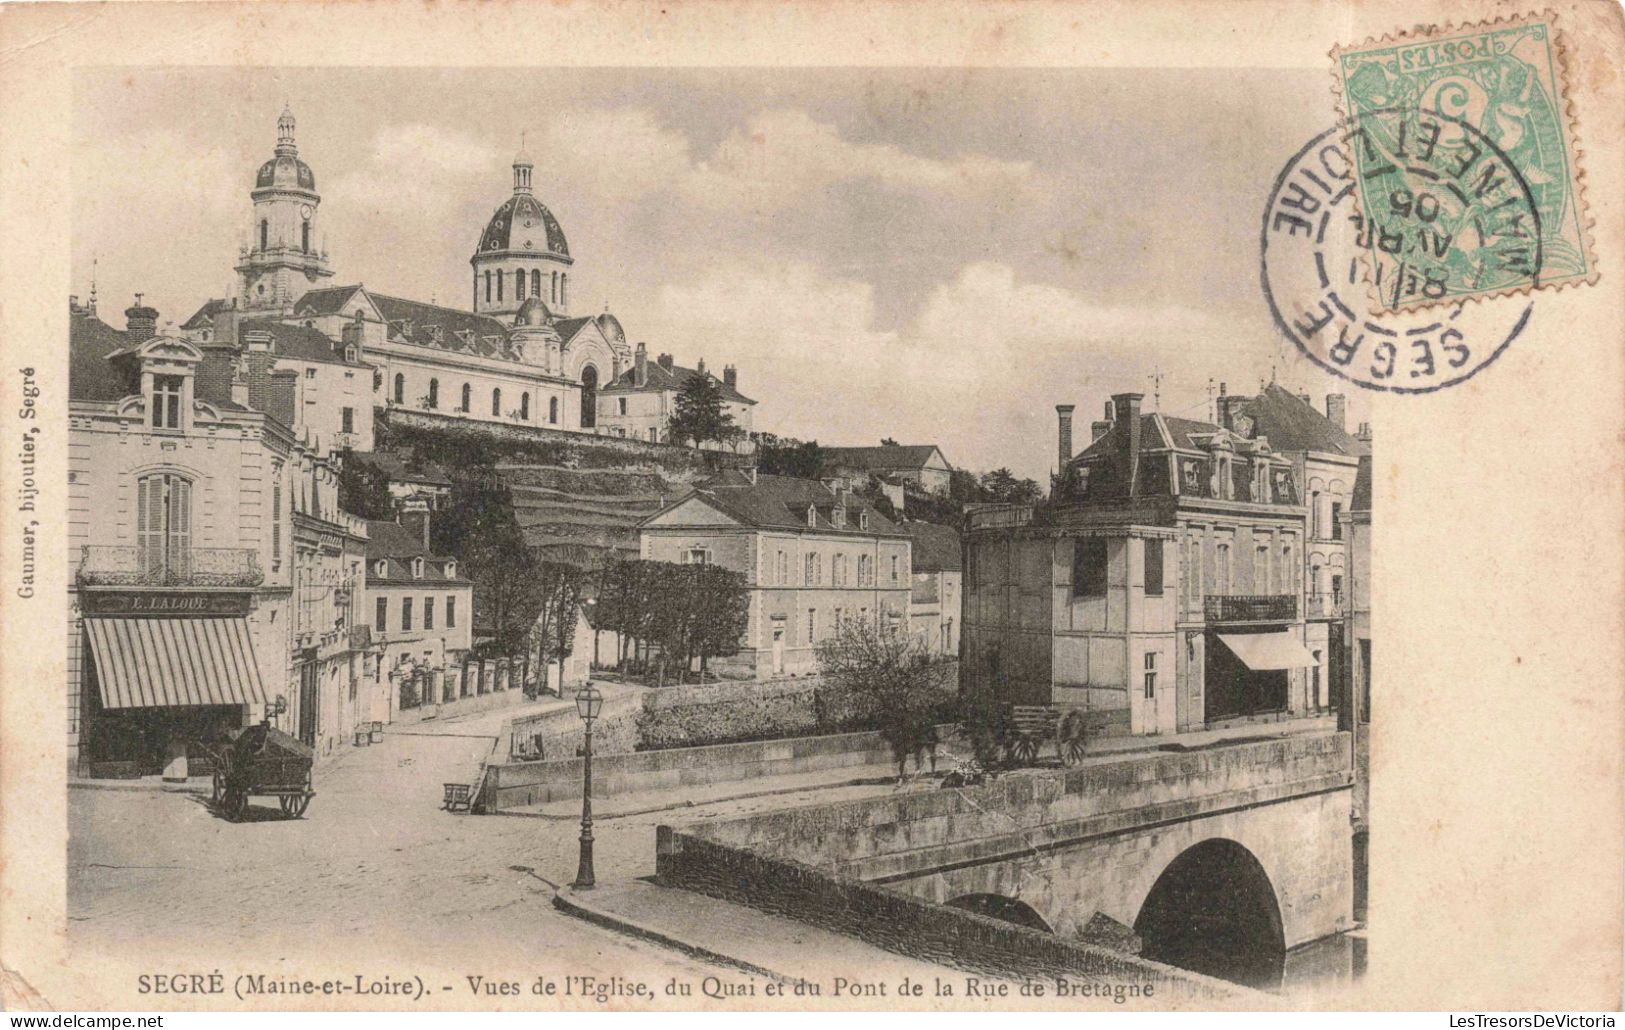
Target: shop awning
<point>148,663</point>
<point>1261,651</point>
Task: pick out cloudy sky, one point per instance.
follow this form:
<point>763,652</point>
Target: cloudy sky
<point>935,256</point>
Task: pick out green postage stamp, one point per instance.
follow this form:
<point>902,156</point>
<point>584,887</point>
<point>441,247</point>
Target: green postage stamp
<point>1465,160</point>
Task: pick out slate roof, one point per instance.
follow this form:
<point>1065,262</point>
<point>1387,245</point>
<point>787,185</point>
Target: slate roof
<point>206,313</point>
<point>90,376</point>
<point>1361,501</point>
<point>1150,436</point>
<point>415,322</point>
<point>396,468</point>
<point>1293,425</point>
<point>900,456</point>
<point>395,544</point>
<point>674,378</point>
<point>543,236</point>
<point>329,300</point>
<point>781,502</point>
<point>298,341</point>
<point>936,548</point>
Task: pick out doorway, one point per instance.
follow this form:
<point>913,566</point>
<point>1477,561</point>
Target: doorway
<point>589,397</point>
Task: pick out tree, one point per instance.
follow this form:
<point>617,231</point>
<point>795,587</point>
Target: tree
<point>556,618</point>
<point>895,678</point>
<point>479,528</point>
<point>889,442</point>
<point>719,602</point>
<point>700,415</point>
<point>364,488</point>
<point>784,456</point>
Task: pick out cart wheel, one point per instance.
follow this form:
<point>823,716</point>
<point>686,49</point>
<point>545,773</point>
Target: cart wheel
<point>1075,750</point>
<point>1026,751</point>
<point>285,802</point>
<point>1072,738</point>
<point>301,803</point>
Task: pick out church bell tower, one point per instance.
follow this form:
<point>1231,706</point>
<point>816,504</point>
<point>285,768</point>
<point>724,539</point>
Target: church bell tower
<point>284,257</point>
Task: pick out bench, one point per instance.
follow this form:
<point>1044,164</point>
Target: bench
<point>459,797</point>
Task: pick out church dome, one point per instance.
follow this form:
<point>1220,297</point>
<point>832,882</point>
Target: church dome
<point>285,169</point>
<point>522,224</point>
<point>611,328</point>
<point>532,312</point>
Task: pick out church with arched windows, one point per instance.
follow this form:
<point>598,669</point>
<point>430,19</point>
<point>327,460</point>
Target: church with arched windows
<point>515,356</point>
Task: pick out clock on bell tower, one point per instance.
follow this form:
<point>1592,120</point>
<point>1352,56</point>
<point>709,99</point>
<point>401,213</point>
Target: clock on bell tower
<point>284,257</point>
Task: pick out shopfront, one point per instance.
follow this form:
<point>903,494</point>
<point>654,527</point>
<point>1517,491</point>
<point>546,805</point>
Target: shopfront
<point>165,672</point>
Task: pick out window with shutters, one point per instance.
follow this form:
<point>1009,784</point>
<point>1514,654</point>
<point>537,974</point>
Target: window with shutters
<point>428,613</point>
<point>347,420</point>
<point>406,614</point>
<point>451,613</point>
<point>381,616</point>
<point>276,520</point>
<point>164,528</point>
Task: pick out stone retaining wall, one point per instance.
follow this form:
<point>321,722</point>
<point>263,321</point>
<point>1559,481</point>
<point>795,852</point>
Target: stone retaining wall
<point>516,784</point>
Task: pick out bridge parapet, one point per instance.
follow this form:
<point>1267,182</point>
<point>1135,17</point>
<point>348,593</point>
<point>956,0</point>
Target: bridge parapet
<point>891,837</point>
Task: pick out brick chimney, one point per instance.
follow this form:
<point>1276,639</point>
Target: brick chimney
<point>415,517</point>
<point>1126,410</point>
<point>1101,428</point>
<point>350,335</point>
<point>140,321</point>
<point>665,362</point>
<point>216,372</point>
<point>281,402</point>
<point>640,366</point>
<point>1063,412</point>
<point>1337,407</point>
<point>730,375</point>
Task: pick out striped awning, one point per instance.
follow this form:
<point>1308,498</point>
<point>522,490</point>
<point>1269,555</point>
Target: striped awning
<point>147,663</point>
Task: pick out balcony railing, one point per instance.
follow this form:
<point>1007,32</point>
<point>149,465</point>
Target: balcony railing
<point>1323,605</point>
<point>1250,607</point>
<point>132,566</point>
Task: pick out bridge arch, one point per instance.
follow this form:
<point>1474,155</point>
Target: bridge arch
<point>997,906</point>
<point>1213,910</point>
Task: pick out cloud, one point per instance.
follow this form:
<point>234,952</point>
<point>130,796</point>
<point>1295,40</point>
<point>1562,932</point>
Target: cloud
<point>412,171</point>
<point>783,155</point>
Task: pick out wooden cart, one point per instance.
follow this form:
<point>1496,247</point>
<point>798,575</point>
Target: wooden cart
<point>262,760</point>
<point>1029,727</point>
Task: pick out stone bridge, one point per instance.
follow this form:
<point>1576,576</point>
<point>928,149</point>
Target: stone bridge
<point>1219,860</point>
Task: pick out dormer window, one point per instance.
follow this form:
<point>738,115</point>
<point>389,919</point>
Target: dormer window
<point>838,518</point>
<point>451,570</point>
<point>812,517</point>
<point>417,568</point>
<point>381,569</point>
<point>166,401</point>
<point>350,354</point>
<point>863,519</point>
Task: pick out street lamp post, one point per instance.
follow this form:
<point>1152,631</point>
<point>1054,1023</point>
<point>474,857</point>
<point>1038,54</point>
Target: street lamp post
<point>589,701</point>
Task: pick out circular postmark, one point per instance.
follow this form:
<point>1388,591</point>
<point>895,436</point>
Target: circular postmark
<point>1346,220</point>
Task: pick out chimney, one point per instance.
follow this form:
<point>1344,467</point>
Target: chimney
<point>700,368</point>
<point>1337,407</point>
<point>640,365</point>
<point>1303,395</point>
<point>1098,430</point>
<point>281,402</point>
<point>665,361</point>
<point>1364,433</point>
<point>415,517</point>
<point>350,335</point>
<point>730,376</point>
<point>1126,410</point>
<point>216,373</point>
<point>1063,412</point>
<point>257,341</point>
<point>140,321</point>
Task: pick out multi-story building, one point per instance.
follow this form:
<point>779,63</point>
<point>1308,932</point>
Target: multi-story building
<point>421,610</point>
<point>1324,457</point>
<point>934,606</point>
<point>811,556</point>
<point>1159,589</point>
<point>1354,714</point>
<point>640,403</point>
<point>215,577</point>
<point>921,465</point>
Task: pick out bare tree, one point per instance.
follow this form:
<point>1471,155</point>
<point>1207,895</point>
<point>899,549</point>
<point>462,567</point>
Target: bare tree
<point>895,679</point>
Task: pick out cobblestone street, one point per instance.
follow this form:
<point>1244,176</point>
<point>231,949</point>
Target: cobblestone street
<point>374,869</point>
